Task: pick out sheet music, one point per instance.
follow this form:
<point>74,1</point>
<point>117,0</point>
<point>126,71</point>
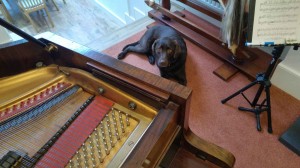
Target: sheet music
<point>276,22</point>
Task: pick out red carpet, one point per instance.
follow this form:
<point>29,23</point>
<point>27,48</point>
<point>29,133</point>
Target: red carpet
<point>223,124</point>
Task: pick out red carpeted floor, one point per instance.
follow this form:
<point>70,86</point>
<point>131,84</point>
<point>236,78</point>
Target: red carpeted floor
<point>223,124</point>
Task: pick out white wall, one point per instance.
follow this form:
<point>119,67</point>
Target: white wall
<point>287,74</point>
<point>126,11</point>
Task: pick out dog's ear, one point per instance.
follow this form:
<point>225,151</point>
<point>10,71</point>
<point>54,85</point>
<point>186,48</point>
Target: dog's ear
<point>177,49</point>
<point>153,47</point>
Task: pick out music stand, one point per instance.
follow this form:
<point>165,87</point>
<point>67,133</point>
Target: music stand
<point>263,79</point>
<point>270,23</point>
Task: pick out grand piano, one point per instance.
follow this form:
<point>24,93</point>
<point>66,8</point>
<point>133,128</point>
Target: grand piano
<point>65,105</point>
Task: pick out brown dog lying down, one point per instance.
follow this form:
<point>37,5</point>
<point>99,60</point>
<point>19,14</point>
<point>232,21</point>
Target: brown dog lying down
<point>166,47</point>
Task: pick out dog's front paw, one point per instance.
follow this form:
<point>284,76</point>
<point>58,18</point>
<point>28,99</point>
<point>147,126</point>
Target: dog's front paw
<point>121,55</point>
<point>151,59</point>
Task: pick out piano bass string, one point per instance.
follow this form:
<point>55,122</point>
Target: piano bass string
<point>64,126</point>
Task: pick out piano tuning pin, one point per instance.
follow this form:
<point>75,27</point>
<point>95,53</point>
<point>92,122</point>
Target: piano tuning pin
<point>93,159</point>
<point>107,151</point>
<point>19,105</point>
<point>99,152</point>
<point>55,87</point>
<point>127,120</point>
<point>101,160</point>
<point>113,113</point>
<point>3,113</point>
<point>10,110</point>
<point>71,163</point>
<point>122,127</point>
<point>25,104</point>
<point>30,100</point>
<point>50,90</point>
<point>44,94</point>
<point>118,136</point>
<point>38,96</point>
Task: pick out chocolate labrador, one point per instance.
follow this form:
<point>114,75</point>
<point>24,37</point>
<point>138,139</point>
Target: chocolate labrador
<point>165,47</point>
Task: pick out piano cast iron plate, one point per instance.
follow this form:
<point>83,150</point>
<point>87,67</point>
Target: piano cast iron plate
<point>38,103</point>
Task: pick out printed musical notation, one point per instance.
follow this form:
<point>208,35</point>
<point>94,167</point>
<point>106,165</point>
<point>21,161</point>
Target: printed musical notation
<point>276,21</point>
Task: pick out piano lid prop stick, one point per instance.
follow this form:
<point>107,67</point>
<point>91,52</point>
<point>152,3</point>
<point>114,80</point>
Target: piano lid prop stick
<point>50,48</point>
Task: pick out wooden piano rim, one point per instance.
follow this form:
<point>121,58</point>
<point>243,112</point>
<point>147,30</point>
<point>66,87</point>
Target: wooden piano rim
<point>177,93</point>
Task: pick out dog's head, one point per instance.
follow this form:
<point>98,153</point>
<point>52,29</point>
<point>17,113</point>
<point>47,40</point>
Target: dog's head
<point>166,51</point>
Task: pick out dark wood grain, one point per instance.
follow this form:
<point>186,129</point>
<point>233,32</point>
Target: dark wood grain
<point>184,158</point>
<point>207,150</point>
<point>151,137</point>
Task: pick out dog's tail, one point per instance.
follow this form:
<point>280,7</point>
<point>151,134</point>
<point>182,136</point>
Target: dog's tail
<point>132,44</point>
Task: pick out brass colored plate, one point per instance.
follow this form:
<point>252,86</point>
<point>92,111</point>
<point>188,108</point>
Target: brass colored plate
<point>30,136</point>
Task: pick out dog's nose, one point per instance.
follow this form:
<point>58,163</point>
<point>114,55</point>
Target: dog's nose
<point>163,63</point>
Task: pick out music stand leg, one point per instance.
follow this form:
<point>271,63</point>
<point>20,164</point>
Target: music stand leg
<point>239,92</point>
<point>264,80</point>
<point>270,130</point>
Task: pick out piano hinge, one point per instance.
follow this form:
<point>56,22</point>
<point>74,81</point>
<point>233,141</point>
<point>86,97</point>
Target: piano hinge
<point>62,71</point>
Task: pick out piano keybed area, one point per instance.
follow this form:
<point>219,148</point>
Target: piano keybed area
<point>60,123</point>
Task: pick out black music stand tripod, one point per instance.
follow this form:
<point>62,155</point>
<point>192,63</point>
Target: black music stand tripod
<point>263,79</point>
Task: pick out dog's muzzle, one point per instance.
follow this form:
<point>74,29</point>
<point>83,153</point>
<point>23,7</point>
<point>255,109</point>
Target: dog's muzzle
<point>163,63</point>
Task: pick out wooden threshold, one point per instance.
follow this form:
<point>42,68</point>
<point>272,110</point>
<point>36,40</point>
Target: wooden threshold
<point>225,71</point>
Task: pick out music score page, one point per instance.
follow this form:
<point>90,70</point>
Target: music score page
<point>276,22</point>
